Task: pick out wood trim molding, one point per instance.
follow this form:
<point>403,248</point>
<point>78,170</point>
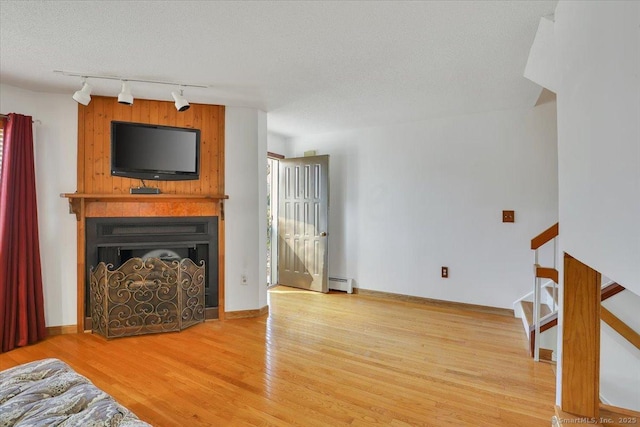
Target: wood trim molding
<point>612,414</point>
<point>620,327</point>
<point>532,344</point>
<point>61,330</point>
<point>581,339</point>
<point>545,236</point>
<point>275,155</point>
<point>435,302</point>
<point>611,290</point>
<point>546,354</point>
<point>547,273</point>
<point>244,314</point>
<point>615,412</point>
<point>80,265</point>
<point>549,323</point>
<point>77,199</point>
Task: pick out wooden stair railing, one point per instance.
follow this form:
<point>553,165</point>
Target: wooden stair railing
<point>607,292</point>
<point>545,236</point>
<point>610,290</point>
<point>620,327</point>
<point>610,319</point>
<point>547,273</point>
<point>542,272</point>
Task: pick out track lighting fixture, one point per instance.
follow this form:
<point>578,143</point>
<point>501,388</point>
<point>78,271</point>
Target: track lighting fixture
<point>125,97</point>
<point>83,96</point>
<point>181,103</point>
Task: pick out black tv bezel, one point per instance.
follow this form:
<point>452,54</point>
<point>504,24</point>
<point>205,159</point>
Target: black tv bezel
<point>155,175</point>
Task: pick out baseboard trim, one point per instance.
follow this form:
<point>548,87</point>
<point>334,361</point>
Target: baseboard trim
<point>61,330</point>
<point>613,414</point>
<point>245,314</point>
<point>434,302</point>
<point>546,354</point>
<point>211,313</point>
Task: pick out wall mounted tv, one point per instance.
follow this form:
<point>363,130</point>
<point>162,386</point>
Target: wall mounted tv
<point>162,153</point>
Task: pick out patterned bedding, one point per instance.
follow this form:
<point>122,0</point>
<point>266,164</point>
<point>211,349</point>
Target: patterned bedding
<point>50,393</point>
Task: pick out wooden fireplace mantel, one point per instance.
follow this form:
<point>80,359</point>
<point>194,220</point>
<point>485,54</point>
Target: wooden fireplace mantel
<point>77,200</point>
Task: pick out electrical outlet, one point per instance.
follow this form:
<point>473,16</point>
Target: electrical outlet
<point>445,272</point>
<point>244,279</point>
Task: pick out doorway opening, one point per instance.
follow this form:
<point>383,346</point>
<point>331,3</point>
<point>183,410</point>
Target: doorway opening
<point>297,221</point>
<point>273,167</point>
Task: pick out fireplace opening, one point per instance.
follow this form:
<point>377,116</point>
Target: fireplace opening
<point>116,240</point>
<point>163,254</point>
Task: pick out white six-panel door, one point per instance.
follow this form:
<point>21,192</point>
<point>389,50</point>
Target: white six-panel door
<point>302,222</point>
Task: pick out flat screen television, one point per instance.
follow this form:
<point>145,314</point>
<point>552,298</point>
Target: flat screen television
<point>162,153</point>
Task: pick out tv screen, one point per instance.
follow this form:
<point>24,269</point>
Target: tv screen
<point>162,153</point>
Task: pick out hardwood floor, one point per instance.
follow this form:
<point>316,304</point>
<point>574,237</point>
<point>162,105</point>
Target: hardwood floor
<point>321,360</point>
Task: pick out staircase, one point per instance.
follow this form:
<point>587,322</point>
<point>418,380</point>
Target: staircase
<point>548,322</point>
<point>539,308</point>
<point>524,309</point>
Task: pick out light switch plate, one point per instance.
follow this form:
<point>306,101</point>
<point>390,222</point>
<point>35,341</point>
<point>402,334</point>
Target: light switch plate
<point>508,216</point>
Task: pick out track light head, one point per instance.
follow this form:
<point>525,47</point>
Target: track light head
<point>83,96</point>
<point>181,103</point>
<point>125,97</point>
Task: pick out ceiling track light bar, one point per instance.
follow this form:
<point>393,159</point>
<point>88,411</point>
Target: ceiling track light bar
<point>95,76</point>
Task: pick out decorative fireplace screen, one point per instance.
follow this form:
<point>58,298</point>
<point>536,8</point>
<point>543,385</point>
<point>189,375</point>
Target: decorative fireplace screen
<point>146,296</point>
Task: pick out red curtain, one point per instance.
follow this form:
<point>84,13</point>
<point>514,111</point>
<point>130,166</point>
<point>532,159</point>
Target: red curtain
<point>21,296</point>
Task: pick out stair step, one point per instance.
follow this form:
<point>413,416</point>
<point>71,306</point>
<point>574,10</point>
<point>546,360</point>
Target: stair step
<point>549,290</point>
<point>527,311</point>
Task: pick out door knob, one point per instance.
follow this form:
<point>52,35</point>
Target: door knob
<point>323,234</point>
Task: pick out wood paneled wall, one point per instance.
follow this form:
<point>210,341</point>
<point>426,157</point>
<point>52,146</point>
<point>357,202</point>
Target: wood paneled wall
<point>95,181</point>
<point>581,339</point>
<point>94,152</point>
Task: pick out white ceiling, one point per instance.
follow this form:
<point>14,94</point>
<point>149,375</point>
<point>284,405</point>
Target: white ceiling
<point>314,66</point>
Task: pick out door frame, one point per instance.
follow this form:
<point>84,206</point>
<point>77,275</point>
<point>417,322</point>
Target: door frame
<point>272,216</point>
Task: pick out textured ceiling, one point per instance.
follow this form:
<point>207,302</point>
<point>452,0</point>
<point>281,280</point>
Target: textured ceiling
<point>313,66</point>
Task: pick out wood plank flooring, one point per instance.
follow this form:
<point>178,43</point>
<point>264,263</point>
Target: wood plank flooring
<point>321,360</point>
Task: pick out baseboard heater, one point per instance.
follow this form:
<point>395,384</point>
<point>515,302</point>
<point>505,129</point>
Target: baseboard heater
<point>341,284</point>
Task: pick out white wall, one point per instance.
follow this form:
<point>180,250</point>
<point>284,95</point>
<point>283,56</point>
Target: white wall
<point>55,139</point>
<point>278,144</point>
<point>408,199</point>
<point>619,359</point>
<point>56,165</point>
<point>599,136</point>
<point>598,66</point>
<point>246,209</point>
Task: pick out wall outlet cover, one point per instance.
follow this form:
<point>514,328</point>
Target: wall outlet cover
<point>508,216</point>
<point>445,272</point>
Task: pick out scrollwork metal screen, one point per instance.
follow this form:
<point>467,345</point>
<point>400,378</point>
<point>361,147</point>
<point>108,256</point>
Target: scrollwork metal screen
<point>146,296</point>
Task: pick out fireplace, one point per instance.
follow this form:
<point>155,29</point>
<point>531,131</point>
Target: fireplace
<point>116,240</point>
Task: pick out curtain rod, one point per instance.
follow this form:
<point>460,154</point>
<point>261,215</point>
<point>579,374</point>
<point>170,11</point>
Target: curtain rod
<point>6,116</point>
